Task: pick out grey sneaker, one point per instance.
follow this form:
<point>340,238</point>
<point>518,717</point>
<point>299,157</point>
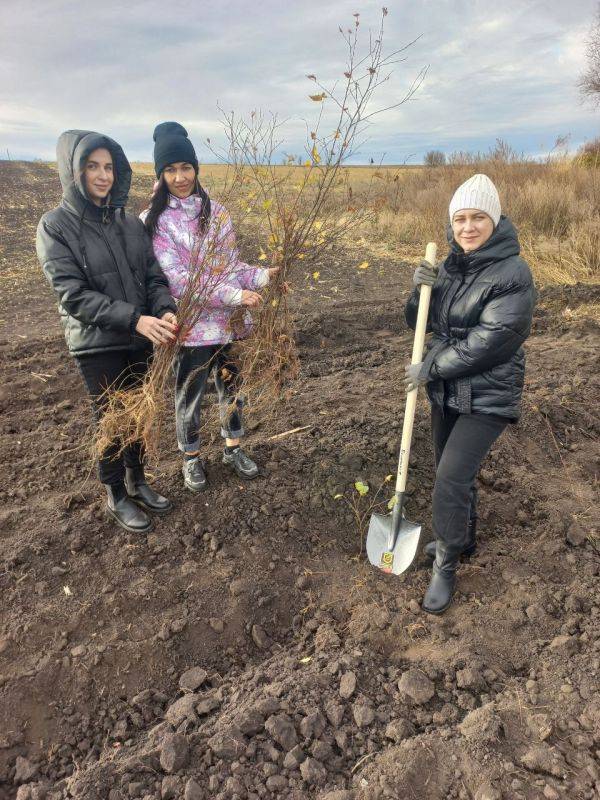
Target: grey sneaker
<point>194,476</point>
<point>241,463</point>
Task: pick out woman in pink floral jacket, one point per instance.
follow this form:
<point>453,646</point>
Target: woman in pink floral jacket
<point>194,242</point>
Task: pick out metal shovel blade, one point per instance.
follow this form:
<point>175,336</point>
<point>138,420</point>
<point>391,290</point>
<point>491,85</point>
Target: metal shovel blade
<point>397,558</point>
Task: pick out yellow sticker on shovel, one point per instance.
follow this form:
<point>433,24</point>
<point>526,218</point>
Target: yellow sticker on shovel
<point>387,562</point>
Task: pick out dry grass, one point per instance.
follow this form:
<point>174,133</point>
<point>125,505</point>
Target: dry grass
<point>555,206</point>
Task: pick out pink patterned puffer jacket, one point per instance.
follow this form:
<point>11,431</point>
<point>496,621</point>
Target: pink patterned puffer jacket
<point>178,245</point>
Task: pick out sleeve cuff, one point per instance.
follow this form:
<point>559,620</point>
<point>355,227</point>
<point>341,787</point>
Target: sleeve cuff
<point>171,307</point>
<point>262,278</point>
<point>135,318</point>
<point>429,370</point>
<point>233,297</point>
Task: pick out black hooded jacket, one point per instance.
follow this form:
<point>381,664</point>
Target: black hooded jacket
<point>99,260</point>
<point>480,315</point>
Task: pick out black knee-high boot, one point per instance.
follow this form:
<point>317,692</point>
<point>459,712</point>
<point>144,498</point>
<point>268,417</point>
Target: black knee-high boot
<point>443,580</point>
<point>470,545</point>
<point>142,494</point>
<point>124,511</point>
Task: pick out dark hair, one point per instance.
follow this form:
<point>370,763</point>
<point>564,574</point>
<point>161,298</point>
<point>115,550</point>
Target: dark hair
<point>159,202</point>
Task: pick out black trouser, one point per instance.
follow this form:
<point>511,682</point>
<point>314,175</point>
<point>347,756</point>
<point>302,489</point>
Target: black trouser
<point>461,442</point>
<point>122,370</point>
<point>192,366</point>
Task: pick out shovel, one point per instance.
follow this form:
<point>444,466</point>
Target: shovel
<point>392,540</point>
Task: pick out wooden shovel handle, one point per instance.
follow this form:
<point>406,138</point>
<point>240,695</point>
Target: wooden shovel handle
<point>417,357</point>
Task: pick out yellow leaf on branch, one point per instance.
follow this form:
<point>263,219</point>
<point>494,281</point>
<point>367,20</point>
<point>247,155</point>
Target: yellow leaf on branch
<point>364,265</point>
<point>267,204</point>
<point>316,275</point>
<point>318,98</point>
<point>361,487</point>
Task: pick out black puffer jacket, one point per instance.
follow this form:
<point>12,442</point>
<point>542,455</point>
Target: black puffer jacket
<point>99,261</point>
<point>480,315</point>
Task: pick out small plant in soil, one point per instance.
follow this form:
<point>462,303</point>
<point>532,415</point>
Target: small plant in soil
<point>362,502</point>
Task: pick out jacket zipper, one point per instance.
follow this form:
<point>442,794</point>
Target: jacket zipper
<point>116,263</point>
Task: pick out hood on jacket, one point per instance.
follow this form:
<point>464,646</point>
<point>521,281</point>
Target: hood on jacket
<point>503,243</point>
<point>72,150</point>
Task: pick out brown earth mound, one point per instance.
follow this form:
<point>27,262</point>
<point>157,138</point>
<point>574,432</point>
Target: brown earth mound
<point>244,649</point>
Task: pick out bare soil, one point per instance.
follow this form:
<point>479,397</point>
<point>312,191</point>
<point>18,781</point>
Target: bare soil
<point>313,675</point>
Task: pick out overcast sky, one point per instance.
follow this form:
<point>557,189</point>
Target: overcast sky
<point>495,70</point>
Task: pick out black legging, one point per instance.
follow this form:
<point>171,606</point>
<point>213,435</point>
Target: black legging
<point>461,442</point>
<point>117,369</point>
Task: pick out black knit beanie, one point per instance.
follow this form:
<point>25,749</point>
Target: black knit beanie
<point>171,145</point>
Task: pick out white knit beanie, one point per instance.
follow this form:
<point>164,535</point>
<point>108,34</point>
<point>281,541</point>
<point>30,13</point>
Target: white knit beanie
<point>478,192</point>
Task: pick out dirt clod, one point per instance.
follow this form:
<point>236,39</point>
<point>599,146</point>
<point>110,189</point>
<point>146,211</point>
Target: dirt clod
<point>488,791</point>
<point>482,724</point>
<point>193,679</point>
<point>399,729</point>
<point>24,770</point>
<point>174,752</point>
<point>169,789</point>
<point>282,730</point>
<point>182,709</point>
<point>193,791</point>
<point>228,744</point>
<point>313,772</point>
<point>260,638</point>
<point>347,685</point>
<point>545,759</point>
<point>363,714</point>
<point>416,685</point>
<point>313,725</point>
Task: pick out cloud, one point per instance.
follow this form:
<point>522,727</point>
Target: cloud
<point>508,71</point>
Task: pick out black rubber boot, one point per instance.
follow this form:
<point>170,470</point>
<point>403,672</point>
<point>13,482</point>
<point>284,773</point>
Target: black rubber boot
<point>443,581</point>
<point>194,476</point>
<point>144,495</point>
<point>124,511</point>
<point>470,547</point>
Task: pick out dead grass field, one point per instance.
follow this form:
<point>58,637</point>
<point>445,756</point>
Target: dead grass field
<point>555,206</point>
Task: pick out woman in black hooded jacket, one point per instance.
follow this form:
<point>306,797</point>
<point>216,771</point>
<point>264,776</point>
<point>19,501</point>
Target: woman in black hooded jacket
<point>480,315</point>
<point>113,299</point>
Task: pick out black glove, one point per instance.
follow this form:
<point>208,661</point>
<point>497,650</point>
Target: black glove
<point>424,274</point>
<point>413,378</point>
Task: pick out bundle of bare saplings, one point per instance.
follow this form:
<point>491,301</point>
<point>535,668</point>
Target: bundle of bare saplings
<point>293,211</point>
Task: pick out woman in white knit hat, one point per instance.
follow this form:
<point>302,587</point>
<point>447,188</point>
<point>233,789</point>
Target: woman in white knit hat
<point>480,314</point>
